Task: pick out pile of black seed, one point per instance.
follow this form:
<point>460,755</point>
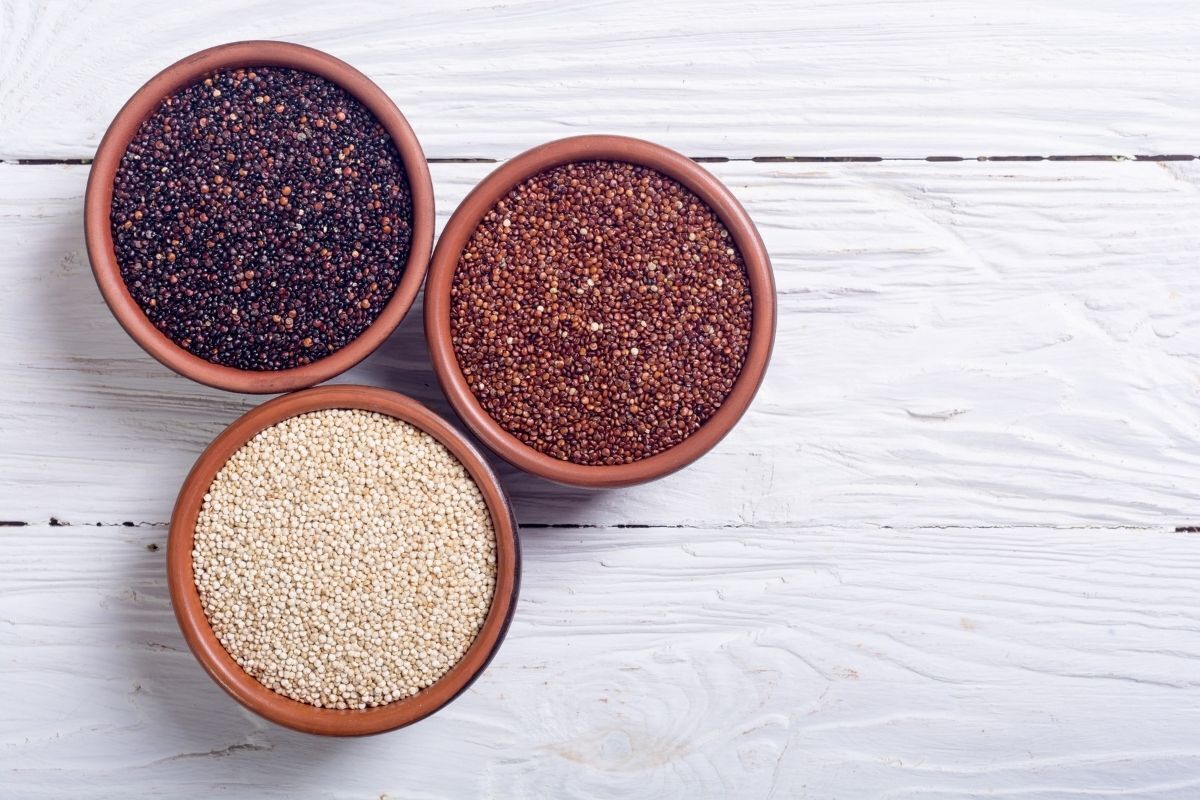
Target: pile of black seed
<point>262,218</point>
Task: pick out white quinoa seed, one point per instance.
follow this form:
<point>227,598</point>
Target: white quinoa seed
<point>345,559</point>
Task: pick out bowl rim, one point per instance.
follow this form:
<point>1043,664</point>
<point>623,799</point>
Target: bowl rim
<point>98,206</point>
<point>599,148</point>
<point>189,612</point>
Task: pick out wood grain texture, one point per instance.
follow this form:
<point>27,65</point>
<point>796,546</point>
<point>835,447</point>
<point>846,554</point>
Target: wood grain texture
<point>660,663</point>
<point>866,77</point>
<point>936,558</point>
<point>959,344</point>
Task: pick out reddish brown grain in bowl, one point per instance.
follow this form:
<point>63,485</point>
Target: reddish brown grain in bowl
<point>600,311</point>
<point>190,611</point>
<point>260,302</point>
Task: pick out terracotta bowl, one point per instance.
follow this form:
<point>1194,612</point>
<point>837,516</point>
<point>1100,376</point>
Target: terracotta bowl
<point>598,148</point>
<point>98,203</point>
<point>220,665</point>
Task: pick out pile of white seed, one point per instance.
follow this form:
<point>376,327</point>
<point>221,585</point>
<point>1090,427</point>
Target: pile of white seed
<point>345,559</point>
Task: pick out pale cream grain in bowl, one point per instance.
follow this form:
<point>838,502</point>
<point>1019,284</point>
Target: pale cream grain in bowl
<point>344,558</point>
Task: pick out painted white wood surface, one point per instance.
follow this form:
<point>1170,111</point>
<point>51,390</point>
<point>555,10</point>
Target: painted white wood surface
<point>938,557</point>
<point>785,77</point>
<point>657,663</point>
<point>959,344</point>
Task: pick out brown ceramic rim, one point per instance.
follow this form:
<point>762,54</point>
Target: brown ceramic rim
<point>283,710</point>
<point>599,148</point>
<point>98,206</point>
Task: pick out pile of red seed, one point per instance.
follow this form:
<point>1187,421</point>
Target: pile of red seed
<point>600,312</point>
<point>262,218</point>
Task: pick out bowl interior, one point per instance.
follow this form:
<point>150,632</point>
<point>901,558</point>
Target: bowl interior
<point>98,204</point>
<point>599,148</point>
<point>220,665</point>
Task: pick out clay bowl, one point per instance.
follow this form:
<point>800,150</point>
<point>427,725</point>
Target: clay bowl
<point>98,202</point>
<point>598,148</point>
<point>220,665</point>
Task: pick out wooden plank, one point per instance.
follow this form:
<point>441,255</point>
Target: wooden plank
<point>660,663</point>
<point>779,77</point>
<point>959,344</point>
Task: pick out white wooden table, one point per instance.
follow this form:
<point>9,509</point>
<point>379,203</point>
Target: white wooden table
<point>947,552</point>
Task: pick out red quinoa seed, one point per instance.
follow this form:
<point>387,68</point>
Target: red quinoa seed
<point>599,313</point>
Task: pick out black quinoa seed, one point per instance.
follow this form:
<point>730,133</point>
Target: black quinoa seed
<point>601,313</point>
<point>262,218</point>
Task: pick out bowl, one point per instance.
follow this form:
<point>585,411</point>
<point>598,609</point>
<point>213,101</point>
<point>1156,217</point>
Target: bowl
<point>462,225</point>
<point>189,612</point>
<point>98,203</point>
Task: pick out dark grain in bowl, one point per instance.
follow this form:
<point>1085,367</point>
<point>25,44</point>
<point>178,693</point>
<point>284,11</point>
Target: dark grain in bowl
<point>220,665</point>
<point>99,197</point>
<point>261,218</point>
<point>466,220</point>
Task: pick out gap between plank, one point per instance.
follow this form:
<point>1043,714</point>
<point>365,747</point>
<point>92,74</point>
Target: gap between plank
<point>757,159</point>
<point>55,522</point>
